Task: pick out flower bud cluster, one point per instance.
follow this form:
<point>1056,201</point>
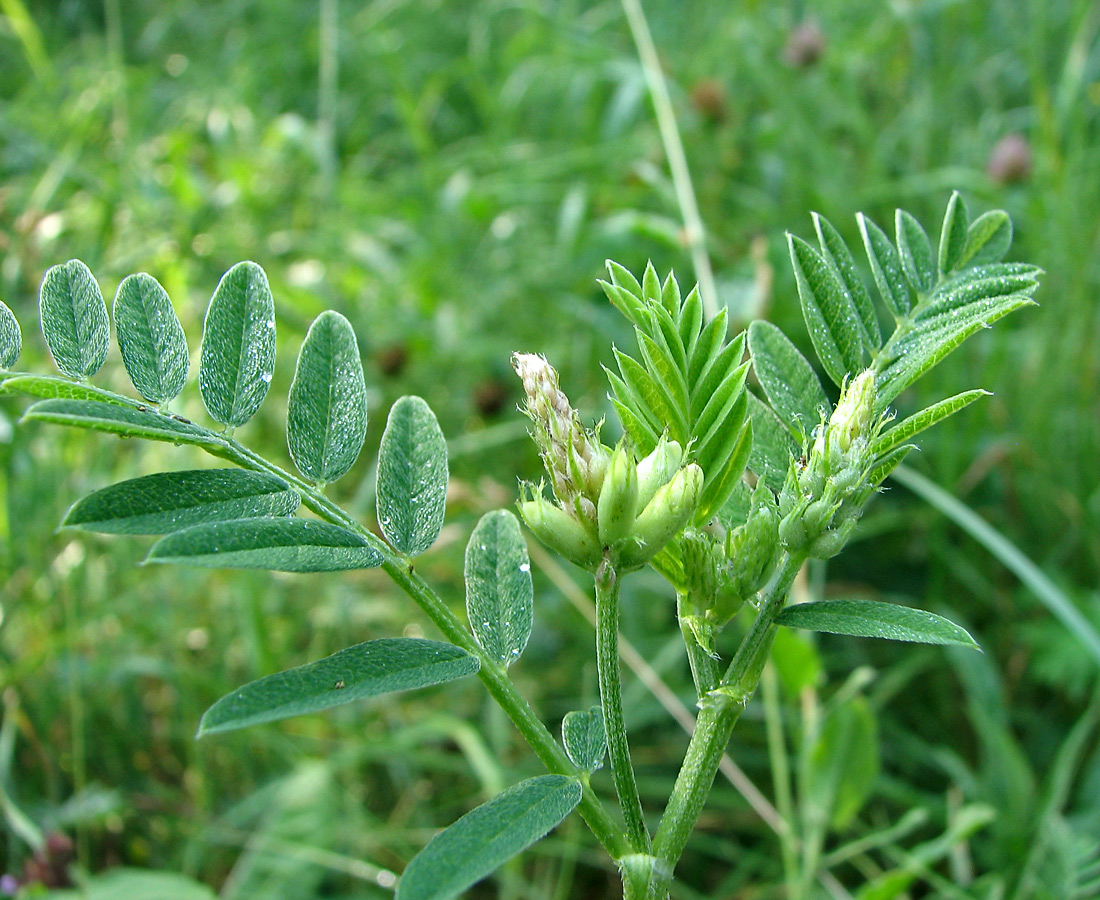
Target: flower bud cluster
<point>826,489</point>
<point>604,501</point>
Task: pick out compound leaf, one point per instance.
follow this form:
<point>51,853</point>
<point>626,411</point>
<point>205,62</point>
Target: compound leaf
<point>376,667</point>
<point>487,837</point>
<point>499,594</point>
<point>772,445</point>
<point>151,338</point>
<point>788,380</point>
<point>954,236</point>
<point>282,545</point>
<point>886,268</point>
<point>831,319</point>
<point>838,257</point>
<point>872,618</point>
<point>51,387</point>
<point>412,477</point>
<point>327,408</point>
<point>916,252</point>
<point>733,454</point>
<point>11,339</point>
<point>926,418</point>
<point>74,319</point>
<point>168,501</point>
<point>584,737</point>
<point>988,238</point>
<point>127,422</point>
<point>238,345</point>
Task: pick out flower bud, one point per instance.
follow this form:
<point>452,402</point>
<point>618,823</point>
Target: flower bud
<point>561,532</point>
<point>618,501</point>
<point>669,511</point>
<point>657,469</point>
<point>855,412</point>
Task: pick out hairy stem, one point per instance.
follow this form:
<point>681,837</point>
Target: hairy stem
<point>720,712</point>
<point>607,661</point>
<point>704,667</point>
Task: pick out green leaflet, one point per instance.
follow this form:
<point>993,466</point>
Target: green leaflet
<point>772,445</point>
<point>842,764</point>
<point>282,545</point>
<point>886,268</point>
<point>238,345</point>
<point>412,477</point>
<point>326,420</point>
<point>831,319</point>
<point>11,339</point>
<point>585,740</point>
<point>499,594</point>
<point>988,238</point>
<point>487,837</point>
<point>168,501</point>
<point>121,420</point>
<point>871,618</point>
<point>981,283</point>
<point>954,235</point>
<point>153,345</point>
<point>926,418</point>
<point>724,477</point>
<point>791,385</point>
<point>74,319</point>
<point>55,387</point>
<point>916,252</point>
<point>839,258</point>
<point>365,670</point>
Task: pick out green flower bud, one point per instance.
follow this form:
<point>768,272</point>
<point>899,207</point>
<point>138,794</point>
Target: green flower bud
<point>657,469</point>
<point>831,542</point>
<point>666,514</point>
<point>855,413</point>
<point>618,502</point>
<point>561,532</point>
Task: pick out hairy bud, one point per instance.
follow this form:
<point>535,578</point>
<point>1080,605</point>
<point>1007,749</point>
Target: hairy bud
<point>618,502</point>
<point>560,531</point>
<point>666,514</point>
<point>657,469</point>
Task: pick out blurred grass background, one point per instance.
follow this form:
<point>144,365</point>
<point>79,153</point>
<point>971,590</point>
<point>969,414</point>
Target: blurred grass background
<point>451,176</point>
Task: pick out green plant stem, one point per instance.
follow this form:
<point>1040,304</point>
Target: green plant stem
<point>704,667</point>
<point>719,714</point>
<point>491,673</point>
<point>607,662</point>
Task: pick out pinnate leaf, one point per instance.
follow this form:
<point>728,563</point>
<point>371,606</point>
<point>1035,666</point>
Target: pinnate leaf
<point>732,456</point>
<point>327,407</point>
<point>127,422</point>
<point>151,338</point>
<point>872,618</point>
<point>926,418</point>
<point>791,385</point>
<point>916,252</point>
<point>954,236</point>
<point>772,446</point>
<point>282,545</point>
<point>74,319</point>
<point>838,257</point>
<point>51,387</point>
<point>11,339</point>
<point>499,594</point>
<point>169,501</point>
<point>365,670</point>
<point>988,238</point>
<point>238,345</point>
<point>886,268</point>
<point>487,837</point>
<point>412,477</point>
<point>584,737</point>
<point>830,317</point>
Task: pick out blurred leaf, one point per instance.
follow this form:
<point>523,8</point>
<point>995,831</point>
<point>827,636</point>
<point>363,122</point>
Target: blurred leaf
<point>916,252</point>
<point>74,319</point>
<point>412,477</point>
<point>831,319</point>
<point>11,339</point>
<point>365,670</point>
<point>282,545</point>
<point>953,237</point>
<point>487,837</point>
<point>121,420</point>
<point>886,268</point>
<point>129,884</point>
<point>326,419</point>
<point>499,595</point>
<point>988,238</point>
<point>238,345</point>
<point>791,385</point>
<point>926,418</point>
<point>153,345</point>
<point>871,618</point>
<point>796,661</point>
<point>584,737</point>
<point>843,764</point>
<point>168,501</point>
<point>839,258</point>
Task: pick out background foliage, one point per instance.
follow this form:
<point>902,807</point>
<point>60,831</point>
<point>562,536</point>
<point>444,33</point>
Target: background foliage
<point>450,178</point>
